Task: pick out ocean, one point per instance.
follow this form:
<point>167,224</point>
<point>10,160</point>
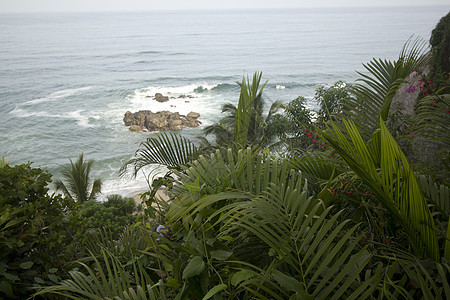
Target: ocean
<point>66,80</point>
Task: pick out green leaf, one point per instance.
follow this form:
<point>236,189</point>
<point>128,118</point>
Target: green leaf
<point>194,267</point>
<point>11,277</point>
<point>227,238</point>
<point>53,270</point>
<point>220,254</point>
<point>39,280</point>
<point>287,282</point>
<point>240,276</point>
<point>172,282</point>
<point>164,247</point>
<point>193,187</point>
<point>303,295</point>
<point>26,265</point>
<point>53,277</point>
<point>215,290</point>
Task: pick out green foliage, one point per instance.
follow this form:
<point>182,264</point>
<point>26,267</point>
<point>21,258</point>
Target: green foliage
<point>107,279</point>
<point>4,162</point>
<point>432,127</point>
<point>250,217</point>
<point>246,123</point>
<point>170,150</point>
<point>77,181</point>
<point>299,125</point>
<point>33,231</point>
<point>247,111</point>
<point>331,100</point>
<point>372,97</point>
<point>383,167</point>
<point>113,215</point>
<point>440,52</point>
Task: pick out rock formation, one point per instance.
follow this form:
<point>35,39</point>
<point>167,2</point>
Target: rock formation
<point>162,120</point>
<point>160,98</point>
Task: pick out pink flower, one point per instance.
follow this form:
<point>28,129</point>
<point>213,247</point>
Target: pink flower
<point>411,89</point>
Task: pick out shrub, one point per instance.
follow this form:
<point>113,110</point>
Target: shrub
<point>33,239</point>
<point>113,214</point>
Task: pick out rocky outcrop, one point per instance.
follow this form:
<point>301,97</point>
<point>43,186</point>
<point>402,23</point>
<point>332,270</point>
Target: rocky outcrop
<point>160,98</point>
<point>162,120</point>
<point>406,96</point>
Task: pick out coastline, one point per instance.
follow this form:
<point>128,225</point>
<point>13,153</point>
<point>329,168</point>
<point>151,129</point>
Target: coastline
<point>160,194</point>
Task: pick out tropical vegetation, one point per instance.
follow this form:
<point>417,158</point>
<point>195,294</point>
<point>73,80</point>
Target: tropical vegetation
<point>76,182</point>
<point>348,202</point>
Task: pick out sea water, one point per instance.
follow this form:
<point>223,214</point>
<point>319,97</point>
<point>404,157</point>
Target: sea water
<point>66,80</point>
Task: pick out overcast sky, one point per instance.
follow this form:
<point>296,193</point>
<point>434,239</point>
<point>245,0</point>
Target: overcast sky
<point>7,6</point>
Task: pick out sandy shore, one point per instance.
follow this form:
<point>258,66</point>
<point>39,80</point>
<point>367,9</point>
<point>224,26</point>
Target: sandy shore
<point>160,194</point>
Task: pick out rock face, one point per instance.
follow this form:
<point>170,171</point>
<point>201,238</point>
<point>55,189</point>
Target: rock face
<point>407,93</point>
<point>162,120</point>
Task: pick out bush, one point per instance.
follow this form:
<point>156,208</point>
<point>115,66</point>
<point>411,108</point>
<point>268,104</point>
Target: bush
<point>330,100</point>
<point>113,214</point>
<point>34,240</point>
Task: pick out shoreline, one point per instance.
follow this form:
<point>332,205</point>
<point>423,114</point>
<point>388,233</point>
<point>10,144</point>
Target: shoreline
<point>160,194</point>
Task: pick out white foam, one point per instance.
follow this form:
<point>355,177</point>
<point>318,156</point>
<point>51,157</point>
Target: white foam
<point>57,95</point>
<point>142,99</point>
<point>83,121</point>
<point>175,90</point>
<point>280,87</point>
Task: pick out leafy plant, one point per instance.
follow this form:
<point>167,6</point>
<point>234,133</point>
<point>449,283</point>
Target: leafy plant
<point>107,279</point>
<point>77,181</point>
<point>246,124</point>
<point>113,215</point>
<point>383,167</point>
<point>331,100</point>
<point>34,242</point>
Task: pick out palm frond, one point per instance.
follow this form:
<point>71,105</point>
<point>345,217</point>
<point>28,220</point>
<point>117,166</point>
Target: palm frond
<point>170,150</point>
<point>305,243</point>
<point>384,168</point>
<point>77,180</point>
<point>437,194</point>
<point>373,97</point>
<point>109,280</point>
<point>265,198</point>
<point>249,93</point>
<point>433,122</point>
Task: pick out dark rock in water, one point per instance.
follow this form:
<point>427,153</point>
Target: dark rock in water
<point>160,98</point>
<point>162,120</point>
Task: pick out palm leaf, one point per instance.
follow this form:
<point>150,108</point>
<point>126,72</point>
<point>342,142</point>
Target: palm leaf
<point>170,150</point>
<point>249,93</point>
<point>373,97</point>
<point>77,181</point>
<point>114,283</point>
<point>309,244</point>
<point>433,122</point>
<point>383,167</point>
<point>273,206</point>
